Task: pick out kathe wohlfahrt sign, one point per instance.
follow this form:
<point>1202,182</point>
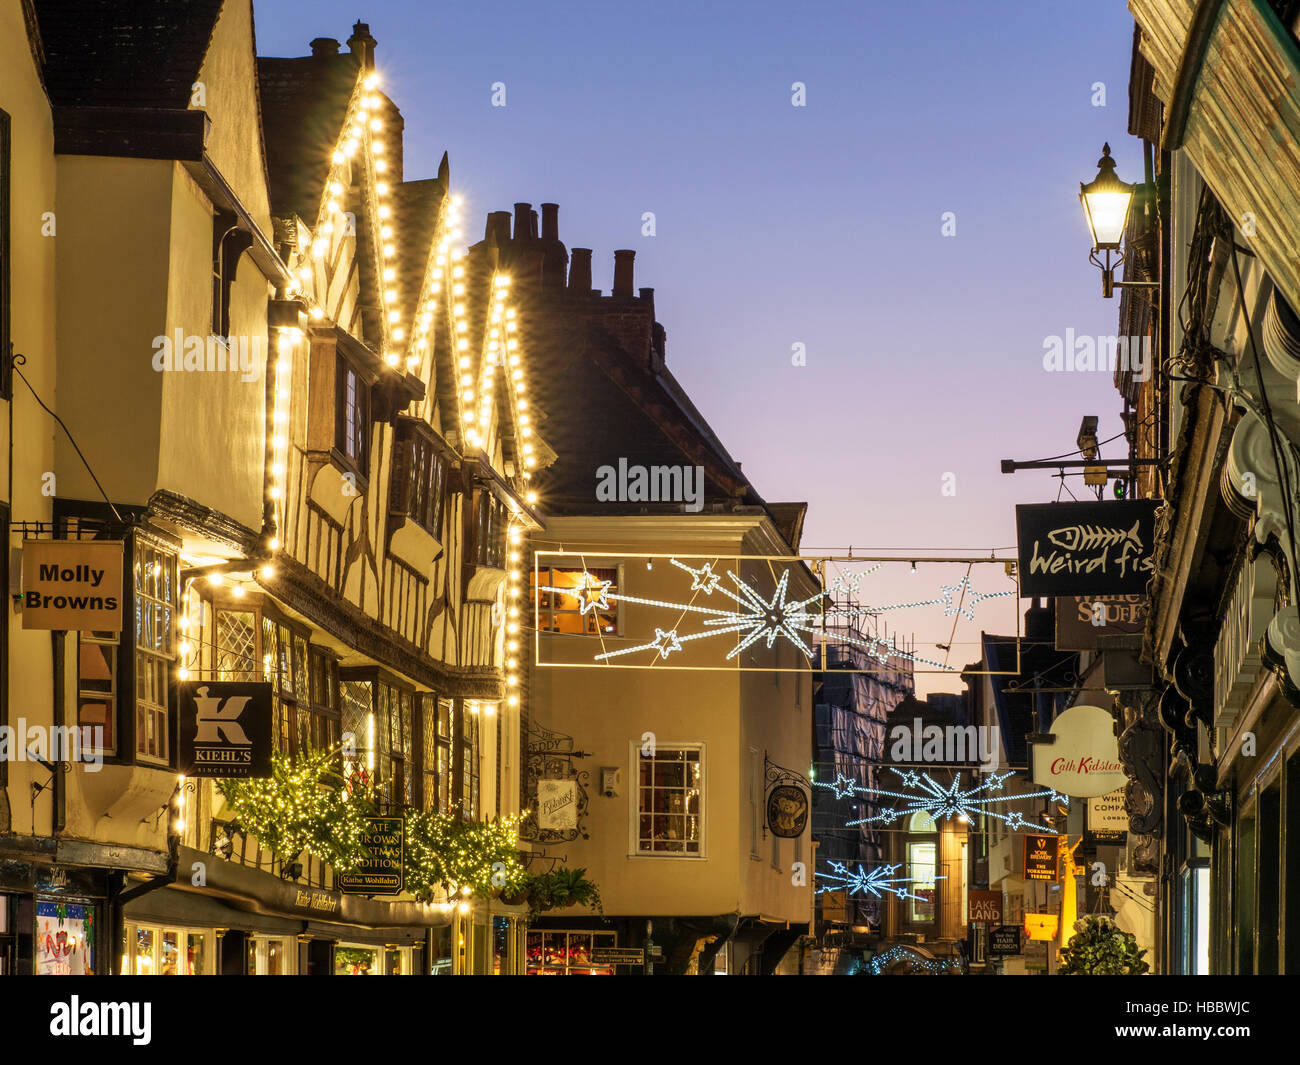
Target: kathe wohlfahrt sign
<point>1083,758</point>
<point>1101,548</point>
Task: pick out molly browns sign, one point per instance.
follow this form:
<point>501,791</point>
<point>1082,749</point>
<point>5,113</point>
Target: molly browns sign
<point>1099,548</point>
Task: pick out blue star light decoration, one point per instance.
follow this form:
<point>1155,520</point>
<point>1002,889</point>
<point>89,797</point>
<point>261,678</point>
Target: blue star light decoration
<point>878,882</point>
<point>755,618</point>
<point>939,802</point>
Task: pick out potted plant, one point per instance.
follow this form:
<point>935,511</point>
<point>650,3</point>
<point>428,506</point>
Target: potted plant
<point>1102,948</point>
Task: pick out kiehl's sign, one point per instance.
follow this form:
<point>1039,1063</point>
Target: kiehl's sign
<point>224,729</point>
<point>1085,548</point>
<point>72,585</point>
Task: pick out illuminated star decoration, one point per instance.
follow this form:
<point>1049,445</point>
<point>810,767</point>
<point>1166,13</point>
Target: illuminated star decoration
<point>937,802</point>
<point>667,642</point>
<point>879,880</point>
<point>593,595</point>
<point>968,611</point>
<point>843,786</point>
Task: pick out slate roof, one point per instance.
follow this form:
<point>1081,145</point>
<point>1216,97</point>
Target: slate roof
<point>304,103</point>
<point>124,53</point>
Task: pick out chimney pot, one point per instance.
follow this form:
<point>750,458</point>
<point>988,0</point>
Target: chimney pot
<point>523,220</point>
<point>498,228</point>
<point>363,45</point>
<point>323,46</point>
<point>623,273</point>
<point>550,221</point>
<point>580,271</point>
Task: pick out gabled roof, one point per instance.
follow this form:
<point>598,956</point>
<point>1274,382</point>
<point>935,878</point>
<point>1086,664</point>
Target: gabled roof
<point>124,53</point>
<point>304,104</point>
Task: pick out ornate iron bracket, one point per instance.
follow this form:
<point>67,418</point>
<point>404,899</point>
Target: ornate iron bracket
<point>550,757</point>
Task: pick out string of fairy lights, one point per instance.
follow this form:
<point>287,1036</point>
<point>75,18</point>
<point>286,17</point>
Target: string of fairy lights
<point>487,367</point>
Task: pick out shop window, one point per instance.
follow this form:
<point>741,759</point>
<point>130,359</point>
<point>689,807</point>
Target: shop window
<point>567,953</point>
<point>583,607</point>
<point>351,418</point>
<point>356,961</point>
<point>155,601</point>
<point>419,477</point>
<point>65,938</point>
<point>159,951</point>
<point>669,815</point>
<point>269,956</point>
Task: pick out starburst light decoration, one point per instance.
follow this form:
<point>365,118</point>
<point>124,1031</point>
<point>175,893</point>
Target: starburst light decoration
<point>878,882</point>
<point>939,802</point>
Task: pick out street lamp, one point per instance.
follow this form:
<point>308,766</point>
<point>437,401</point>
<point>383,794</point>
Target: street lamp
<point>1106,202</point>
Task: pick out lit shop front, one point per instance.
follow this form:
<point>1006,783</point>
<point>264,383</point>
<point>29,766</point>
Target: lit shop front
<point>52,920</point>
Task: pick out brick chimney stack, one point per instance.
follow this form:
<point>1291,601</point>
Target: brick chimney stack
<point>523,221</point>
<point>550,221</point>
<point>623,274</point>
<point>324,46</point>
<point>363,45</point>
<point>580,271</point>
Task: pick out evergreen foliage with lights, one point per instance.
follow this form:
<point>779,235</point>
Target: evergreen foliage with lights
<point>301,806</point>
<point>444,851</point>
<point>562,888</point>
<point>1102,948</point>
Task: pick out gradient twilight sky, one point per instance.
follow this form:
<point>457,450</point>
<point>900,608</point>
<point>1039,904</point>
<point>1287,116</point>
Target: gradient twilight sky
<point>817,225</point>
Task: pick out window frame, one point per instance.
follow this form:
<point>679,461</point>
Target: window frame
<point>6,253</point>
<point>359,464</point>
<point>418,491</point>
<point>163,664</point>
<point>634,805</point>
<point>540,575</point>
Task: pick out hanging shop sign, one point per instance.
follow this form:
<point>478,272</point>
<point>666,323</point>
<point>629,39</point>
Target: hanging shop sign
<point>985,906</point>
<point>1107,821</point>
<point>224,729</point>
<point>1005,939</point>
<point>787,811</point>
<point>72,585</point>
<point>1083,759</point>
<point>1042,926</point>
<point>835,905</point>
<point>1085,549</point>
<point>617,956</point>
<point>381,871</point>
<point>1087,622</point>
<point>557,805</point>
<point>1041,854</point>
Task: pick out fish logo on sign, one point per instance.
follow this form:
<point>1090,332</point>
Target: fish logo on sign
<point>212,720</point>
<point>1090,537</point>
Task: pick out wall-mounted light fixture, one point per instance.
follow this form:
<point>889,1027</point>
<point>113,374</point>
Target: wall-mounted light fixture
<point>1106,201</point>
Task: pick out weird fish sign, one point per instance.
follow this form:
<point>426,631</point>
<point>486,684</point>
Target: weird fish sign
<point>1101,548</point>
